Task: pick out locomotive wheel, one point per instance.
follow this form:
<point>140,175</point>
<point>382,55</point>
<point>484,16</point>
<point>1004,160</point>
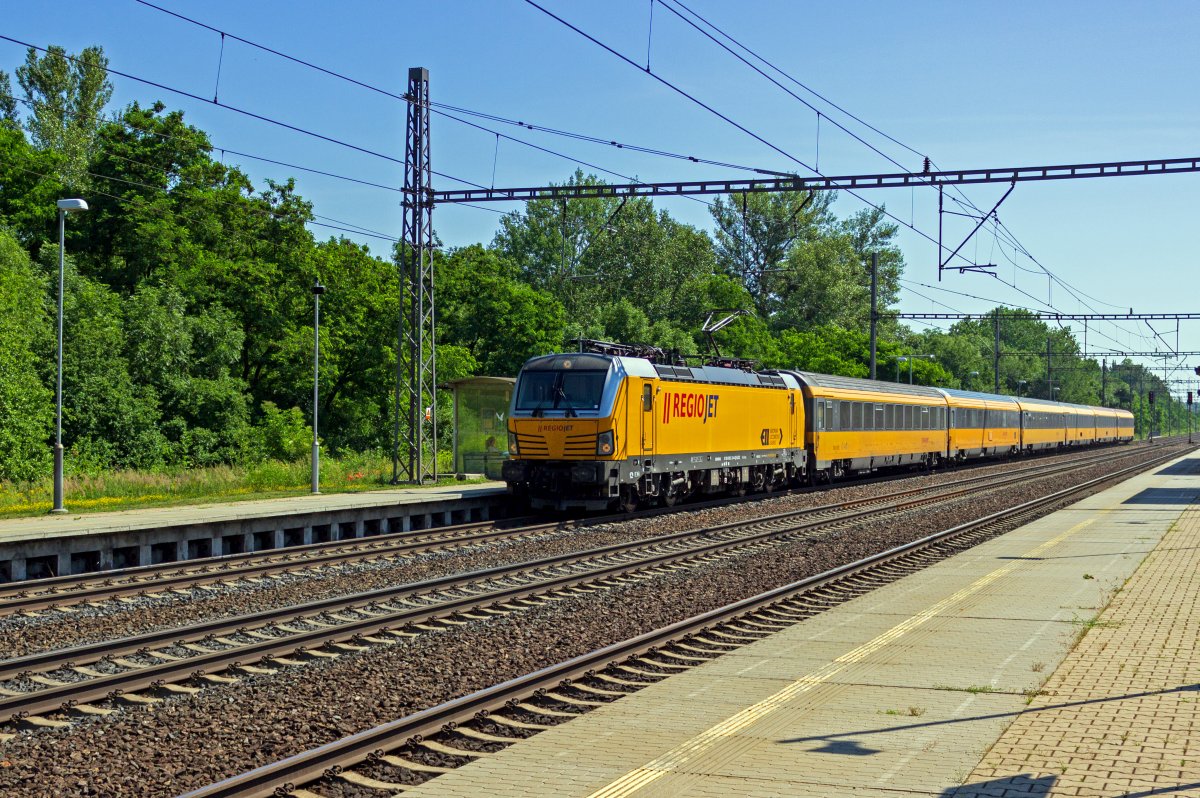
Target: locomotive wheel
<point>628,502</point>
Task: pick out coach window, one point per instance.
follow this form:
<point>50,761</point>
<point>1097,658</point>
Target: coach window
<point>880,423</point>
<point>829,415</point>
<point>890,421</point>
<point>857,415</point>
<point>845,421</point>
<point>868,416</point>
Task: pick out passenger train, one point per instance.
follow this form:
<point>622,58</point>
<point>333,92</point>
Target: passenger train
<point>621,426</point>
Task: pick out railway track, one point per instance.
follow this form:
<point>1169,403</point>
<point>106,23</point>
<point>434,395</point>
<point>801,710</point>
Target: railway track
<point>435,740</point>
<point>68,591</point>
<point>145,668</point>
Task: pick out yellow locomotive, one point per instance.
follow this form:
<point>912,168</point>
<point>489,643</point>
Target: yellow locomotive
<point>619,426</point>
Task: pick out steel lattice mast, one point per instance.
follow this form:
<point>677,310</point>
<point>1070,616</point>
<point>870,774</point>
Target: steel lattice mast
<point>416,341</point>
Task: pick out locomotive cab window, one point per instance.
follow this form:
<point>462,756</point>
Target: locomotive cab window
<point>647,397</point>
<point>560,390</point>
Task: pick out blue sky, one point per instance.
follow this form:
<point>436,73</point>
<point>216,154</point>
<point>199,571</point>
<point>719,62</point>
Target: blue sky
<point>970,84</point>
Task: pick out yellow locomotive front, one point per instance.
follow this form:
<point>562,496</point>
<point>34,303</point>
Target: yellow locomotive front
<point>596,430</point>
<point>562,439</point>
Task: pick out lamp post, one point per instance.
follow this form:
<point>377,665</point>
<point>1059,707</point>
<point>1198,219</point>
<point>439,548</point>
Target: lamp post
<point>317,290</point>
<point>910,360</point>
<point>65,206</point>
<point>971,374</point>
<point>1019,384</point>
<point>898,361</point>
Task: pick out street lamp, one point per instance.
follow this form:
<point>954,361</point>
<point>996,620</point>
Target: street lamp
<point>910,361</point>
<point>971,374</point>
<point>65,206</point>
<point>898,360</point>
<point>1019,384</point>
<point>317,290</point>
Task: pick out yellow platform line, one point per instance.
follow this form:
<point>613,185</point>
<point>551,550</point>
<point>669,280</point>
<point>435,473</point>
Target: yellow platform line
<point>654,770</point>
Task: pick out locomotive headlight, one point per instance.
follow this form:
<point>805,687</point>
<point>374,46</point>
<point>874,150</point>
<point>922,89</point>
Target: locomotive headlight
<point>513,448</point>
<point>604,442</point>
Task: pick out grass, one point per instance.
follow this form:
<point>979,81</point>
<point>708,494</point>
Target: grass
<point>130,490</point>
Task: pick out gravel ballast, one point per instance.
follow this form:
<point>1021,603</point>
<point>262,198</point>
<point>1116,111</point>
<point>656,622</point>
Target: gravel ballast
<point>188,742</point>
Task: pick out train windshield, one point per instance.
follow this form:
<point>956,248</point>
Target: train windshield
<point>560,390</point>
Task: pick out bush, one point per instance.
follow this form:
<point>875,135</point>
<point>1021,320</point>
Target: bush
<point>283,434</point>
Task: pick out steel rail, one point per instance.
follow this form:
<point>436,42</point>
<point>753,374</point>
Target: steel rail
<point>283,776</point>
<point>91,652</point>
<point>56,697</point>
<point>172,579</point>
<point>28,596</point>
<point>73,582</point>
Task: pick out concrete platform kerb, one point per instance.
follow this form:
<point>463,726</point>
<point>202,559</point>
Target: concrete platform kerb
<point>73,543</point>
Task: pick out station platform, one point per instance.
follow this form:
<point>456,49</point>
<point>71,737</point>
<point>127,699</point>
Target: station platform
<point>52,545</point>
<point>1058,659</point>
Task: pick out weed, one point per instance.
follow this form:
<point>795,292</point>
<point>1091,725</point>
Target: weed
<point>973,689</point>
<point>1037,667</point>
<point>1032,693</point>
<point>916,712</point>
<point>1088,576</point>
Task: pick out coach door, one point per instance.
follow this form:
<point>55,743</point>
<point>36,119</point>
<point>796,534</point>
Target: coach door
<point>793,426</point>
<point>647,402</point>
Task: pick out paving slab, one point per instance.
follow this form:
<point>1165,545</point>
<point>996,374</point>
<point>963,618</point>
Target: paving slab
<point>910,689</point>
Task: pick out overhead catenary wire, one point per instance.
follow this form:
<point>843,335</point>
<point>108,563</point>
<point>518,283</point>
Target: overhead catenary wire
<point>442,108</point>
<point>736,124</point>
<point>245,112</point>
<point>911,225</point>
<point>436,107</point>
<point>966,201</point>
<point>466,182</point>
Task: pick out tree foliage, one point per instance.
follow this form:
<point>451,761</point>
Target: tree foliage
<point>67,94</point>
<point>189,315</point>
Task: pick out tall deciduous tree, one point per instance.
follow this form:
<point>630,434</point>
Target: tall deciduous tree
<point>67,95</point>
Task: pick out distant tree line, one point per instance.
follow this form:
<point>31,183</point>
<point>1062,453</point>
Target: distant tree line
<point>188,334</point>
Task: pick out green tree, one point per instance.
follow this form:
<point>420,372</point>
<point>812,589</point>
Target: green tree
<point>577,250</point>
<point>499,320</point>
<point>756,231</point>
<point>186,359</point>
<point>8,103</point>
<point>67,95</point>
<point>109,421</point>
<point>26,404</point>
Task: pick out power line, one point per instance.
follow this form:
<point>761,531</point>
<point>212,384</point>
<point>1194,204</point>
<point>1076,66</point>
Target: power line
<point>443,108</point>
<point>794,80</point>
<point>1010,236</point>
<point>365,230</point>
<point>250,210</point>
<point>244,112</point>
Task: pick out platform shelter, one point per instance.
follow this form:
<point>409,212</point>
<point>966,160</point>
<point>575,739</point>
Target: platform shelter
<point>481,424</point>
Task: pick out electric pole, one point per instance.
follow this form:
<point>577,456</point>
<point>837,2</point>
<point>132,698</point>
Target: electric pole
<point>874,307</point>
<point>996,352</point>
